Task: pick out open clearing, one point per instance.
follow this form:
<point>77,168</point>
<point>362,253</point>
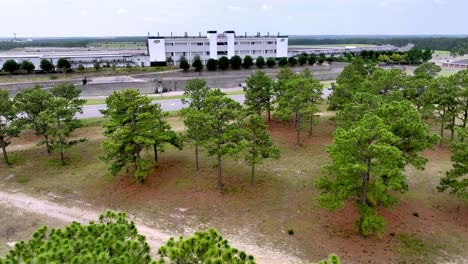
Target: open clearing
<point>425,227</point>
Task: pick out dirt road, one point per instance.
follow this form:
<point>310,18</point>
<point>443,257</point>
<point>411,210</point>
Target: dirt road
<point>155,238</point>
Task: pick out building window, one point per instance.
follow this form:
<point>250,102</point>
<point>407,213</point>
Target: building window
<point>270,42</point>
<point>200,44</point>
<point>208,53</point>
<point>252,43</point>
<point>236,43</point>
<point>222,43</point>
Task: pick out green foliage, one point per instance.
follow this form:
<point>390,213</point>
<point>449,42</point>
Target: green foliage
<point>184,64</point>
<point>292,61</point>
<point>111,240</point>
<point>162,132</point>
<point>10,123</point>
<point>223,63</point>
<point>63,64</point>
<point>350,81</point>
<point>202,247</point>
<point>10,66</point>
<point>129,128</point>
<point>196,91</point>
<point>97,66</point>
<point>414,56</point>
<point>441,99</point>
<point>30,103</point>
<point>427,71</point>
<point>426,55</point>
<point>332,259</point>
<point>365,166</point>
<point>260,62</point>
<point>248,62</point>
<point>259,92</point>
<point>60,118</point>
<point>235,62</point>
<point>456,180</point>
<point>27,66</point>
<point>283,62</point>
<point>197,63</point>
<point>271,62</point>
<point>298,96</point>
<point>312,59</point>
<point>47,66</point>
<point>221,117</point>
<point>212,64</point>
<point>80,68</point>
<point>258,144</point>
<point>302,60</point>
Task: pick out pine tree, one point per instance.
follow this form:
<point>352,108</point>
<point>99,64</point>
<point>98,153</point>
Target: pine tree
<point>300,97</point>
<point>129,129</point>
<point>456,179</point>
<point>221,117</point>
<point>258,143</point>
<point>30,103</point>
<point>259,93</point>
<point>365,166</point>
<point>10,123</point>
<point>195,92</point>
<point>202,247</point>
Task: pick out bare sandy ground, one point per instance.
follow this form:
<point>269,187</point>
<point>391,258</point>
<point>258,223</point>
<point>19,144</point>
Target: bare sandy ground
<point>155,237</point>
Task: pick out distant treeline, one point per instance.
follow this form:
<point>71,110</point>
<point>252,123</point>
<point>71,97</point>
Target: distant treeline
<point>66,42</point>
<point>458,45</point>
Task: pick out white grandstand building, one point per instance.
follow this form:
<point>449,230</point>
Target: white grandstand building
<point>214,46</point>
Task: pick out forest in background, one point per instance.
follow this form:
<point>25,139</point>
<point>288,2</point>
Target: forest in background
<point>457,45</point>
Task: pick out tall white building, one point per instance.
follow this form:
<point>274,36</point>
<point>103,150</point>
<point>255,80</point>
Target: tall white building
<point>214,46</point>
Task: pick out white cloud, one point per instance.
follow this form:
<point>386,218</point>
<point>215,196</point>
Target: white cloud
<point>148,19</point>
<point>234,8</point>
<point>121,11</point>
<point>265,7</point>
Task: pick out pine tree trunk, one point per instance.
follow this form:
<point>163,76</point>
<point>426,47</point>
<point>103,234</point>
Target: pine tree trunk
<point>252,179</point>
<point>441,134</point>
<point>155,147</point>
<point>269,112</point>
<point>5,156</point>
<point>452,129</point>
<point>47,144</point>
<point>220,182</point>
<point>62,158</point>
<point>298,129</point>
<point>363,195</point>
<point>196,158</point>
<point>310,124</point>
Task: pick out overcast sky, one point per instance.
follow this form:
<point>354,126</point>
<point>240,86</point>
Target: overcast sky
<point>56,18</point>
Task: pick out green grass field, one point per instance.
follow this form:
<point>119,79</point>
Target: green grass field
<point>176,198</point>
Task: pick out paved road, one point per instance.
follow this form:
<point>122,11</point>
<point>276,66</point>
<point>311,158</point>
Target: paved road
<point>166,105</point>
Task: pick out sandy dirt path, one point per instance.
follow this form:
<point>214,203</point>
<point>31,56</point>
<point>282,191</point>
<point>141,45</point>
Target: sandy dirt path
<point>155,238</point>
